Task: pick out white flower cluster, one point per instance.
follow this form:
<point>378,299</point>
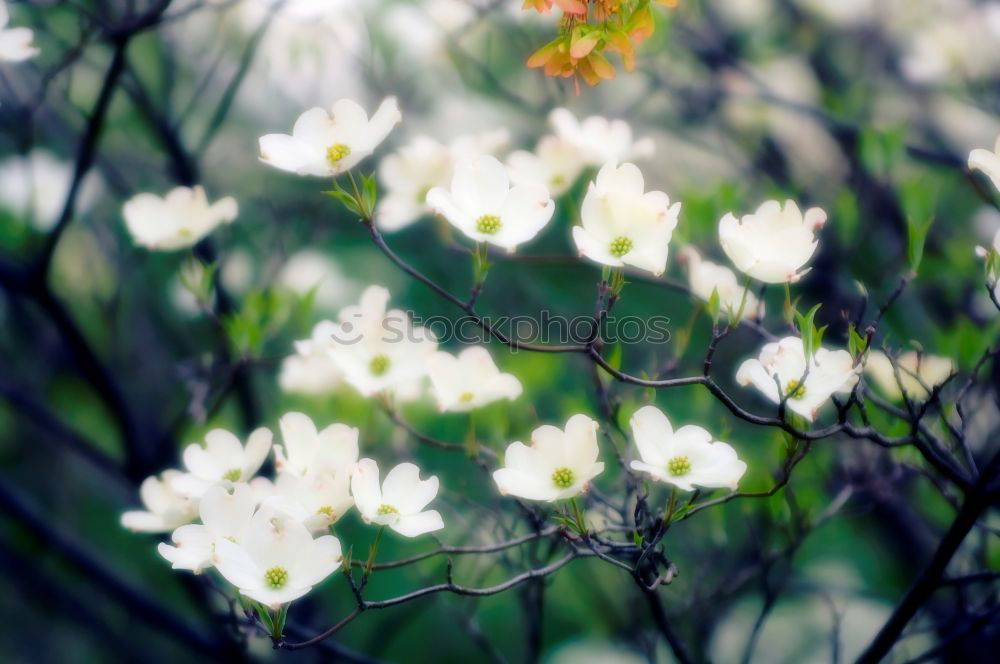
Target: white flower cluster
<point>271,538</point>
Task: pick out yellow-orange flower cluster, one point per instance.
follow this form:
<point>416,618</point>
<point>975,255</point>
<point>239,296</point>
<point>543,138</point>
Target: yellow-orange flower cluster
<point>590,29</point>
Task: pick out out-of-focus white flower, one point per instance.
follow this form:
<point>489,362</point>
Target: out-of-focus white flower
<point>408,174</point>
<point>306,451</point>
<point>223,459</point>
<point>224,514</point>
<point>35,185</point>
<point>558,465</point>
<point>317,500</point>
<point>179,220</point>
<point>918,372</point>
<point>482,204</point>
<point>598,139</point>
<point>15,43</point>
<point>376,350</point>
<point>622,225</point>
<point>686,457</point>
<point>843,12</point>
<point>784,363</point>
<point>311,270</point>
<point>704,277</point>
<point>399,503</point>
<point>411,172</point>
<point>328,144</point>
<point>773,243</point>
<point>470,380</point>
<point>556,163</point>
<point>165,508</point>
<point>278,560</point>
<point>949,44</point>
<point>313,374</point>
<point>987,162</point>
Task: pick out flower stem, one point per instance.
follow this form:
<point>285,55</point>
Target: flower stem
<point>671,504</point>
<point>372,552</point>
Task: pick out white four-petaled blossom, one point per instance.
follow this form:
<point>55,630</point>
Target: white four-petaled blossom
<point>178,220</point>
<point>623,224</point>
<point>773,243</point>
<point>558,465</point>
<point>222,459</point>
<point>782,364</point>
<point>987,162</point>
<point>328,144</point>
<point>224,514</point>
<point>15,43</point>
<point>165,508</point>
<point>470,380</point>
<point>481,203</point>
<point>917,372</point>
<point>556,163</point>
<point>598,139</point>
<point>399,502</point>
<point>378,350</point>
<point>686,457</point>
<point>704,277</point>
<point>318,500</point>
<point>305,451</point>
<point>278,560</point>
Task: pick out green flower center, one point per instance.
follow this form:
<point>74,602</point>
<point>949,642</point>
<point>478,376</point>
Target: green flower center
<point>337,152</point>
<point>488,224</point>
<point>276,577</point>
<point>326,510</point>
<point>557,180</point>
<point>422,194</point>
<point>795,389</point>
<point>379,365</point>
<point>386,509</point>
<point>232,475</point>
<point>678,466</point>
<point>620,246</point>
<point>466,397</point>
<point>562,478</point>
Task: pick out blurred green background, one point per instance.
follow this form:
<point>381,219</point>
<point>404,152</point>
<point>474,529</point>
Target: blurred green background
<point>867,109</point>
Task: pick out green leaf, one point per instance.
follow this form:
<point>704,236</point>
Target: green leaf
<point>713,306</point>
<point>811,337</point>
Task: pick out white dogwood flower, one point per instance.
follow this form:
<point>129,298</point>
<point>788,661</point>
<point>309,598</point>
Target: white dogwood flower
<point>706,277</point>
<point>598,139</point>
<point>556,163</point>
<point>224,514</point>
<point>15,43</point>
<point>178,220</point>
<point>306,451</point>
<point>773,243</point>
<point>222,459</point>
<point>987,162</point>
<point>784,363</point>
<point>408,174</point>
<point>317,500</point>
<point>165,508</point>
<point>399,503</point>
<point>918,372</point>
<point>35,185</point>
<point>328,144</point>
<point>470,380</point>
<point>685,458</point>
<point>482,204</point>
<point>278,560</point>
<point>379,350</point>
<point>314,374</point>
<point>558,465</point>
<point>411,172</point>
<point>622,224</point>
